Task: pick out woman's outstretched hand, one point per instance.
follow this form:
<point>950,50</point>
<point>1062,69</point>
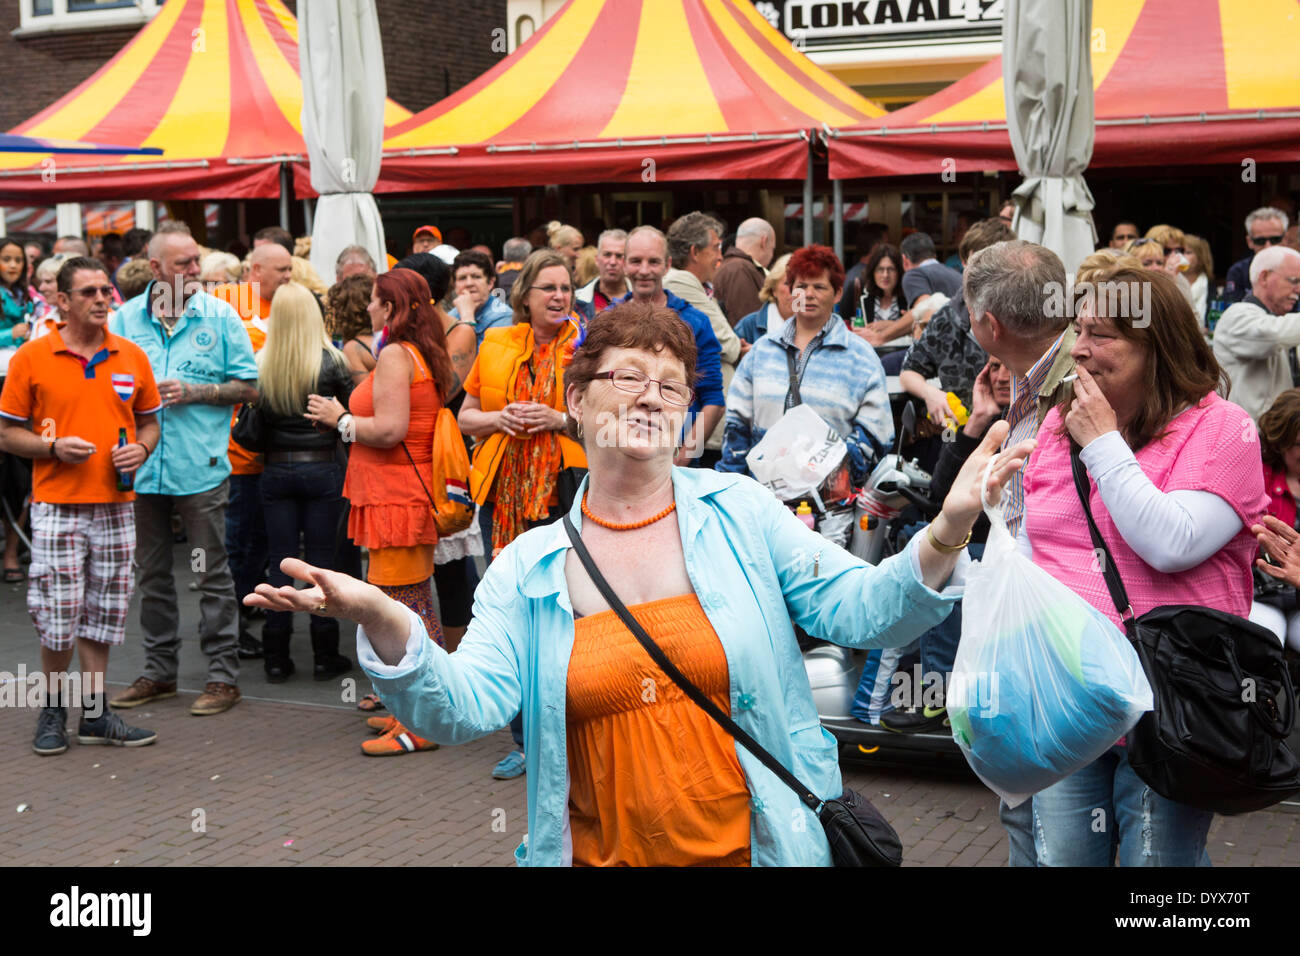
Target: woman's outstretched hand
<point>963,504</point>
<point>335,594</point>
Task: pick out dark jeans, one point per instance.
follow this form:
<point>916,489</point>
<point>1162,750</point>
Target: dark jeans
<point>246,534</point>
<point>939,643</point>
<point>301,501</point>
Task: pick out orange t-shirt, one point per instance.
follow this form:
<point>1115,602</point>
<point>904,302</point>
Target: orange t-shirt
<point>253,309</point>
<point>59,390</point>
<point>653,781</point>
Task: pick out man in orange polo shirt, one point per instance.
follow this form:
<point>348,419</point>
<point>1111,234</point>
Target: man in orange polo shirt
<point>92,400</point>
<point>269,267</point>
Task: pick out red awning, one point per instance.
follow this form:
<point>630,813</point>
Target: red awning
<point>627,91</point>
<point>213,83</point>
<point>1177,82</point>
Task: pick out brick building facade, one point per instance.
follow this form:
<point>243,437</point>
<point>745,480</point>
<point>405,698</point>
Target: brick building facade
<point>430,51</point>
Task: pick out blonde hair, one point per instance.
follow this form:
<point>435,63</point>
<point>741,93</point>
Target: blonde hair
<point>290,361</point>
<point>558,234</point>
<point>775,276</point>
<point>305,274</point>
<point>302,247</point>
<point>1204,258</point>
<point>220,267</point>
<point>1167,236</point>
<point>585,268</point>
<point>1098,265</point>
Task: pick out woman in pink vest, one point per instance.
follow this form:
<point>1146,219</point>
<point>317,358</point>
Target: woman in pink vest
<point>1176,483</point>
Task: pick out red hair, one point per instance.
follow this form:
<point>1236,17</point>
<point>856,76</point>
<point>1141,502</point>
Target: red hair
<point>414,321</point>
<point>810,262</point>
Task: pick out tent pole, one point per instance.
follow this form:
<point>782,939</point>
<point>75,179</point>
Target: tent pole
<point>284,195</point>
<point>837,210</point>
<point>808,199</point>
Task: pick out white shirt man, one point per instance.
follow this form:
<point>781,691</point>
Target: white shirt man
<point>1255,336</point>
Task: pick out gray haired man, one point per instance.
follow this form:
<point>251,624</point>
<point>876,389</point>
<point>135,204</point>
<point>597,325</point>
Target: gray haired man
<point>611,281</point>
<point>1265,227</point>
<point>1006,287</point>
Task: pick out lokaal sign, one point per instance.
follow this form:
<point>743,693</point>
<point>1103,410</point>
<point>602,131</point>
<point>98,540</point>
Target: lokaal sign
<point>815,23</point>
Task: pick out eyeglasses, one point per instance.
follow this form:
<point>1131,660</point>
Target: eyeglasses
<point>91,291</point>
<point>551,289</point>
<point>634,382</point>
<point>1267,240</point>
<point>880,269</point>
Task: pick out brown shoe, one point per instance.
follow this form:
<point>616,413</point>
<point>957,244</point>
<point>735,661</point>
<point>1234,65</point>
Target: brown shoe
<point>143,691</point>
<point>217,698</point>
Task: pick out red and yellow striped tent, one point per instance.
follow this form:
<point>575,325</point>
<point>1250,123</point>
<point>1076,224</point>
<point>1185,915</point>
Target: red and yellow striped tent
<point>706,89</point>
<point>214,83</point>
<point>1177,82</point>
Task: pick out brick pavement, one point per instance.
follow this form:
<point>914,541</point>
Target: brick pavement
<point>286,765</point>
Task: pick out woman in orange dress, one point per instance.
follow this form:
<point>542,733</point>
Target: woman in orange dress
<point>622,767</point>
<point>390,422</point>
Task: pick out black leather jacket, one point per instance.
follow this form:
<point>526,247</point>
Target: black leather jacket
<point>296,433</point>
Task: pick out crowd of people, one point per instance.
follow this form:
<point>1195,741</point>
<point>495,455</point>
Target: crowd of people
<point>284,428</point>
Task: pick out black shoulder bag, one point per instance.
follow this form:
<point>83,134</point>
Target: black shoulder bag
<point>857,833</point>
<point>1224,704</point>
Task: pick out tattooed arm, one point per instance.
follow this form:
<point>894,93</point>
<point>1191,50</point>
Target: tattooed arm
<point>462,346</point>
<point>233,392</point>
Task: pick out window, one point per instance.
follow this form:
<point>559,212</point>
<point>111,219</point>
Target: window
<point>45,16</point>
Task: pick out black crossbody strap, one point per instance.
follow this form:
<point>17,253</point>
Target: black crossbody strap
<point>1108,569</point>
<point>418,476</point>
<point>700,699</point>
<point>792,396</point>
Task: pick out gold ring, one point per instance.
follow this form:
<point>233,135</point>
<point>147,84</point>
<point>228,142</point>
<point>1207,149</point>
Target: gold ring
<point>321,608</point>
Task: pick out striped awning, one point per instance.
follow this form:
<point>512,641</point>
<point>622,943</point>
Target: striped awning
<point>628,91</point>
<point>214,84</point>
<point>1176,82</point>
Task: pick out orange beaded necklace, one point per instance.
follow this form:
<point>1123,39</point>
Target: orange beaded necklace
<point>628,525</point>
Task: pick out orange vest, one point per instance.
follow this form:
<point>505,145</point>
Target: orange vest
<point>503,352</point>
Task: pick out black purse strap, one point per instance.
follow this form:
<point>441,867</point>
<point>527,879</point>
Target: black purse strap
<point>418,477</point>
<point>1108,569</point>
<point>700,699</point>
<point>792,396</point>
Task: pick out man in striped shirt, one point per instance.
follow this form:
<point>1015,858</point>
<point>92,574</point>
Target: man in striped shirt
<point>1007,288</point>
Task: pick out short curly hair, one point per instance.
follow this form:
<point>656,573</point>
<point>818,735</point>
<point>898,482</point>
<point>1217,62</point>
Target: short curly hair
<point>345,307</point>
<point>811,261</point>
<point>631,325</point>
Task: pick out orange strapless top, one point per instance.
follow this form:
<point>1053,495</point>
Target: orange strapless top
<point>652,780</point>
<point>389,505</point>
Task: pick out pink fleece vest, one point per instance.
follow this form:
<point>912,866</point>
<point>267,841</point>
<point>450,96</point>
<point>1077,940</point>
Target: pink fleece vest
<point>1212,447</point>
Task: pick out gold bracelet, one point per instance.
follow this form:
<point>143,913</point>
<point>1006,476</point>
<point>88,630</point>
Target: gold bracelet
<point>946,548</point>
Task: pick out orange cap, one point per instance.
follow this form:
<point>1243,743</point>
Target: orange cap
<point>432,230</point>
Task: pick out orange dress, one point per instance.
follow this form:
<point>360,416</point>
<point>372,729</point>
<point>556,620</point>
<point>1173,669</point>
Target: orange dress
<point>653,781</point>
<point>390,513</point>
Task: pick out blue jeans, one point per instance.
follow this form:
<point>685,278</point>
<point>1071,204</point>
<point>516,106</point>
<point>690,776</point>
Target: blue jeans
<point>939,643</point>
<point>1105,811</point>
<point>302,501</point>
<point>246,534</point>
<point>1018,821</point>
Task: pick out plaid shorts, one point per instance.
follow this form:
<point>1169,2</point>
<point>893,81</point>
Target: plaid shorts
<point>80,581</point>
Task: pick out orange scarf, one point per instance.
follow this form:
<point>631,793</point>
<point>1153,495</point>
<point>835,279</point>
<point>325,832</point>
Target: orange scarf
<point>531,463</point>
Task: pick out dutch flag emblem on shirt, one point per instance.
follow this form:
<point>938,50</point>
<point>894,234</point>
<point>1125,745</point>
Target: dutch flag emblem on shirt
<point>124,385</point>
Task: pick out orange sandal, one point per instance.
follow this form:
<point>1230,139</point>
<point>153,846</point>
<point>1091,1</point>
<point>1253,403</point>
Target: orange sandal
<point>370,702</point>
<point>381,725</point>
<point>396,742</point>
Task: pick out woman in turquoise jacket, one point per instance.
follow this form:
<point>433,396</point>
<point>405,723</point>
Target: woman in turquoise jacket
<point>16,303</point>
<point>658,533</point>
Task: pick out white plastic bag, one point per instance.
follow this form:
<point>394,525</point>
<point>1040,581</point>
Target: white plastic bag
<point>796,454</point>
<point>1043,683</point>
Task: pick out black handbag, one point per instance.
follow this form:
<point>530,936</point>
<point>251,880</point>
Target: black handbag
<point>1224,703</point>
<point>567,483</point>
<point>857,833</point>
<point>249,429</point>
